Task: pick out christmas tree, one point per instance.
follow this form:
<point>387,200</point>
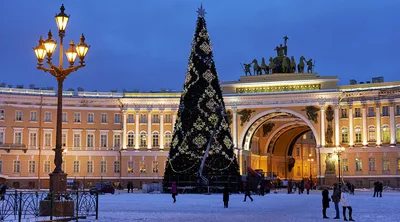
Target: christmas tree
<point>197,117</point>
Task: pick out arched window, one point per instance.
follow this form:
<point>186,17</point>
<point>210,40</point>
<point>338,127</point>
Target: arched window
<point>143,136</point>
<point>371,134</point>
<point>168,139</point>
<point>131,139</point>
<point>155,139</point>
<point>385,134</point>
<point>398,135</point>
<point>345,135</point>
<point>357,131</point>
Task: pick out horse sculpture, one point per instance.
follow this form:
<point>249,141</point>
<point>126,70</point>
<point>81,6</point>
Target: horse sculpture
<point>256,67</point>
<point>300,66</point>
<point>264,66</point>
<point>292,65</point>
<point>271,64</point>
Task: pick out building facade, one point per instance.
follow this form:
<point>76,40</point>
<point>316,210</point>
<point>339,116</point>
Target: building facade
<point>285,124</point>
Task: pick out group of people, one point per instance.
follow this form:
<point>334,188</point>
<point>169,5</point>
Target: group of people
<point>340,195</point>
<point>300,186</point>
<point>378,188</point>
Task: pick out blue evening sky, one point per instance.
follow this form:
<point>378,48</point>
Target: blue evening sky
<point>145,45</point>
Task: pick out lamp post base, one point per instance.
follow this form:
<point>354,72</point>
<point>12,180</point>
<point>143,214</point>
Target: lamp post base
<point>58,182</point>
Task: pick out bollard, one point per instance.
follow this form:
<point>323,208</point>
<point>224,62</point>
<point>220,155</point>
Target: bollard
<point>97,205</point>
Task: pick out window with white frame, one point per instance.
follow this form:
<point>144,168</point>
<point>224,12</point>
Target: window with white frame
<point>117,118</point>
<point>116,166</point>
<point>168,118</point>
<point>371,133</point>
<point>143,118</point>
<point>156,119</point>
<point>31,166</point>
<point>103,166</point>
<point>33,116</point>
<point>143,136</point>
<point>90,118</point>
<point>131,139</point>
<point>345,165</point>
<point>46,167</point>
<point>130,166</point>
<point>17,137</point>
<point>385,134</point>
<point>358,164</point>
<point>90,140</point>
<point>385,164</point>
<point>76,166</point>
<point>371,164</point>
<point>131,118</point>
<point>343,113</point>
<point>357,112</point>
<point>89,168</point>
<point>168,139</point>
<point>47,116</point>
<point>142,166</point>
<point>371,111</point>
<point>345,135</point>
<point>64,117</point>
<point>64,140</point>
<point>117,140</point>
<point>33,139</point>
<point>155,139</point>
<point>104,118</point>
<point>385,111</point>
<point>1,137</point>
<point>18,115</point>
<point>155,166</point>
<point>1,166</point>
<point>357,131</point>
<point>103,140</point>
<point>17,166</point>
<point>2,114</point>
<point>47,139</point>
<point>77,140</point>
<point>77,117</point>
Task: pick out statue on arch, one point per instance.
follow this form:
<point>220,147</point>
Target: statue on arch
<point>279,50</point>
<point>292,65</point>
<point>246,69</point>
<point>256,67</point>
<point>300,66</point>
<point>310,66</point>
<point>264,66</point>
<point>271,64</point>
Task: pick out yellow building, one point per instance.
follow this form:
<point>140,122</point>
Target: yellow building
<point>123,137</point>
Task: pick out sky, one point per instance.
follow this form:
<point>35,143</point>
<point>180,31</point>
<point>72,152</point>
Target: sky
<point>145,45</point>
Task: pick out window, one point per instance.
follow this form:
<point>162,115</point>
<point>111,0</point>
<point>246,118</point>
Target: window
<point>103,166</point>
<point>142,167</point>
<point>32,166</point>
<point>358,164</point>
<point>155,166</point>
<point>397,110</point>
<point>90,166</point>
<point>17,137</point>
<point>385,134</point>
<point>33,116</point>
<point>1,166</point>
<point>398,133</point>
<point>131,118</point>
<point>371,112</point>
<point>47,117</point>
<point>64,117</point>
<point>168,118</point>
<point>386,164</point>
<point>18,115</point>
<point>156,119</point>
<point>345,165</point>
<point>130,166</point>
<point>47,166</point>
<point>131,139</point>
<point>297,151</point>
<point>77,117</point>
<point>76,166</point>
<point>143,136</point>
<point>155,139</point>
<point>371,164</point>
<point>117,140</point>
<point>117,118</point>
<point>385,111</point>
<point>143,118</point>
<point>345,135</point>
<point>116,166</point>
<point>64,140</point>
<point>17,166</point>
<point>298,171</point>
<point>2,114</point>
<point>47,139</point>
<point>398,164</point>
<point>104,118</point>
<point>90,118</point>
<point>371,133</point>
<point>1,137</point>
<point>343,113</point>
<point>168,139</point>
<point>33,139</point>
<point>357,112</point>
<point>358,134</point>
<point>77,140</point>
<point>103,140</point>
<point>90,140</point>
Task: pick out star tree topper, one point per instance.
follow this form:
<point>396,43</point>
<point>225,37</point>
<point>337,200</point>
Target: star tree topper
<point>201,11</point>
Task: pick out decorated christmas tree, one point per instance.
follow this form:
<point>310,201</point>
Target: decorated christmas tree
<point>197,118</point>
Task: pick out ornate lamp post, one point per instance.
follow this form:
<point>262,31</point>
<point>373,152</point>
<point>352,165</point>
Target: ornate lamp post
<point>338,151</point>
<point>310,161</point>
<point>45,48</point>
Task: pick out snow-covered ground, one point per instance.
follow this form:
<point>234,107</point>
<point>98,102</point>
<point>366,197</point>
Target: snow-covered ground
<point>271,207</point>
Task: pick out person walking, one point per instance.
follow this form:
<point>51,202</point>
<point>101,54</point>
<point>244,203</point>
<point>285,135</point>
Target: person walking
<point>247,193</point>
<point>308,187</point>
<point>344,201</point>
<point>174,191</point>
<point>380,189</point>
<point>336,199</point>
<point>376,188</point>
<point>225,196</point>
<point>325,202</point>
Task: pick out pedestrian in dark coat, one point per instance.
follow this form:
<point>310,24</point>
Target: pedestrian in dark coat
<point>376,188</point>
<point>225,196</point>
<point>247,193</point>
<point>336,199</point>
<point>325,202</point>
<point>380,189</point>
<point>174,191</point>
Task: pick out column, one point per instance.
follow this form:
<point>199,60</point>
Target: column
<point>364,125</point>
<point>161,138</point>
<point>137,123</point>
<point>149,134</point>
<point>234,126</point>
<point>124,139</point>
<point>351,128</point>
<point>392,124</point>
<point>378,123</point>
<point>323,143</point>
<point>337,137</point>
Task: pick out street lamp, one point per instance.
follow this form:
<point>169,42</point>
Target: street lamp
<point>310,161</point>
<point>46,48</point>
<point>338,151</point>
